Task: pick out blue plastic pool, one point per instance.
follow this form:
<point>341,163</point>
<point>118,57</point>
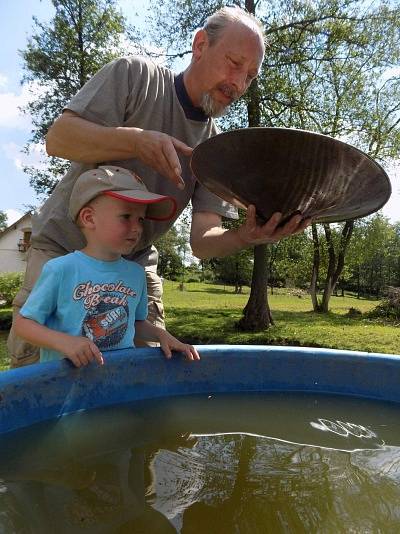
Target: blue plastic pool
<point>47,391</point>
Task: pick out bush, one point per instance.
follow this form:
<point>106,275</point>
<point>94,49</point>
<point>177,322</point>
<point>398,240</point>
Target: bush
<point>10,284</point>
<point>389,308</point>
<point>354,312</point>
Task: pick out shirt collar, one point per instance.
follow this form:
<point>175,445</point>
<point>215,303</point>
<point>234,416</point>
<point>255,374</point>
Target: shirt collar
<point>191,112</point>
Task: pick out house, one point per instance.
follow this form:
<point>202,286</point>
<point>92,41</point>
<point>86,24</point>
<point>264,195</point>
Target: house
<point>14,243</point>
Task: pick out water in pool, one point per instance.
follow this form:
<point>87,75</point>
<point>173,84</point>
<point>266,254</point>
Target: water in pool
<point>253,463</point>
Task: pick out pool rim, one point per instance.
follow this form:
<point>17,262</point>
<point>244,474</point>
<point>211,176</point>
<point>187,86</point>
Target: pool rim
<point>46,391</point>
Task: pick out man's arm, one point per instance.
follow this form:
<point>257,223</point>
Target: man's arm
<point>77,139</point>
<point>209,240</point>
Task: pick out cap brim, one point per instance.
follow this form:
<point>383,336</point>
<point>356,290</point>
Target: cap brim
<point>159,207</point>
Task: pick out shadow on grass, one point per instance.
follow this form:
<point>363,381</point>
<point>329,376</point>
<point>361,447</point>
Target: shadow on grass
<point>220,326</point>
<point>212,290</point>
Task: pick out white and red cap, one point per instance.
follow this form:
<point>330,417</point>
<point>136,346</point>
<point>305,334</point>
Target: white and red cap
<point>119,183</point>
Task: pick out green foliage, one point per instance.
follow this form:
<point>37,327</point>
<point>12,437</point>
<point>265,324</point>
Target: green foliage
<point>4,359</point>
<point>374,257</point>
<point>291,260</point>
<point>10,284</point>
<point>60,58</point>
<point>3,221</point>
<point>235,269</point>
<point>354,312</point>
<point>170,263</point>
<point>389,308</point>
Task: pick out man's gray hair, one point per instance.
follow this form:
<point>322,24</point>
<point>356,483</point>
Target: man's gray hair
<point>217,23</point>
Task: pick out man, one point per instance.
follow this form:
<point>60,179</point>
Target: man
<point>137,115</point>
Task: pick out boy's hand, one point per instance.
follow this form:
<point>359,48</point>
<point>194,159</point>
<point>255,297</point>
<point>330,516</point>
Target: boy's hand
<point>81,351</point>
<point>169,343</point>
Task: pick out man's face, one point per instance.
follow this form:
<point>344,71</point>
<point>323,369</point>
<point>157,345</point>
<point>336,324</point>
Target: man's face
<point>226,69</point>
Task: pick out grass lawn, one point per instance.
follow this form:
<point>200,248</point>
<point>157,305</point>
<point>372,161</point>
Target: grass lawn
<point>204,313</point>
<point>207,314</point>
<point>4,363</point>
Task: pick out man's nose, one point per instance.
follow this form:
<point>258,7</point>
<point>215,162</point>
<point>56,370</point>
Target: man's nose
<point>239,82</point>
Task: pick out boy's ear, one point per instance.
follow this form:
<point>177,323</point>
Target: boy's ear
<point>86,217</point>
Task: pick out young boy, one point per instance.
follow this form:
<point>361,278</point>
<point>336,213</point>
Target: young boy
<point>93,299</point>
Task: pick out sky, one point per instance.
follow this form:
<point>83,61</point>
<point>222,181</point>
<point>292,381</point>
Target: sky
<point>16,26</point>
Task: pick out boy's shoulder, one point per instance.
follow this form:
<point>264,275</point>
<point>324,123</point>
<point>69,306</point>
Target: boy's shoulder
<point>61,261</point>
<point>132,266</point>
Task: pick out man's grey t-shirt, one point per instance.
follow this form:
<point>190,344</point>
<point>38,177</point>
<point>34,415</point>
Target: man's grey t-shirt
<point>137,93</point>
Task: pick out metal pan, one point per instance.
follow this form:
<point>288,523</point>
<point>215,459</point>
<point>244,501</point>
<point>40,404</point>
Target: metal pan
<point>290,171</point>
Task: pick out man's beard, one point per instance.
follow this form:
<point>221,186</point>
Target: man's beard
<point>213,108</point>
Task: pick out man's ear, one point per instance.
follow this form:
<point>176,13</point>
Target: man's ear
<point>200,42</point>
<point>86,217</point>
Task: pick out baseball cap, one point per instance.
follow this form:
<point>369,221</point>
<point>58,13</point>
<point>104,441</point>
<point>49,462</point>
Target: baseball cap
<point>119,183</point>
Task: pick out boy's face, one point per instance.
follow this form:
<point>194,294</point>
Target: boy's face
<point>114,227</point>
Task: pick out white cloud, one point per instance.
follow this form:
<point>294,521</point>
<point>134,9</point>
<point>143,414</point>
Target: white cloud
<point>3,80</point>
<point>10,114</point>
<point>392,208</point>
<point>35,158</point>
<point>392,72</point>
<point>12,216</point>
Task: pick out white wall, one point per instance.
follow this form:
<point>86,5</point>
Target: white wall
<point>11,260</point>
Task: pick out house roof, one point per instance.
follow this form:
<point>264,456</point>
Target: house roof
<point>15,224</point>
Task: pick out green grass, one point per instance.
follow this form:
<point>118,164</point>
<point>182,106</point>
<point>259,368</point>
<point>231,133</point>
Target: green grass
<point>4,361</point>
<point>205,313</point>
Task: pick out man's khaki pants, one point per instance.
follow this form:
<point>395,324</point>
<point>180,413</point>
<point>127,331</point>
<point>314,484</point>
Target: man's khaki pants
<point>23,353</point>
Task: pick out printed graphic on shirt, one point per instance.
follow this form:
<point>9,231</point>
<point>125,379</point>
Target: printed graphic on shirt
<point>106,325</point>
<point>106,320</point>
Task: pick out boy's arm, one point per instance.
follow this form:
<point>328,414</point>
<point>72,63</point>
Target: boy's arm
<point>80,350</point>
<point>168,342</point>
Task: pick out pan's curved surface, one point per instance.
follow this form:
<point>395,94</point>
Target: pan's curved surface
<point>290,171</point>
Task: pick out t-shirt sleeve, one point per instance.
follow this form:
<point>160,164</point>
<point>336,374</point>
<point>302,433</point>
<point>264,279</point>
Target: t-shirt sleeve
<point>204,200</point>
<point>142,307</point>
<point>105,98</point>
<point>42,301</point>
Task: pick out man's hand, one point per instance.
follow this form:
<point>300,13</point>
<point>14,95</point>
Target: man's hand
<point>77,139</point>
<point>169,343</point>
<point>81,351</point>
<point>159,151</point>
<point>251,233</point>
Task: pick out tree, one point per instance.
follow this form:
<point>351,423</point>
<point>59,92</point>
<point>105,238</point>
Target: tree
<point>170,263</point>
<point>60,58</point>
<point>325,70</point>
<point>3,221</point>
<point>336,254</point>
<point>375,256</point>
<point>235,269</point>
<point>291,260</point>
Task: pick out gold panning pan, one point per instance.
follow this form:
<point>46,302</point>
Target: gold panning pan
<point>290,171</point>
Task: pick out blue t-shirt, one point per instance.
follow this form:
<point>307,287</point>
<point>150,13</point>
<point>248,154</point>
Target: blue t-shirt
<point>82,296</point>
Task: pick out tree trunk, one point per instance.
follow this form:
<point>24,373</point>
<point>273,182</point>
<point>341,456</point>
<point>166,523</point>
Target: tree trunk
<point>256,314</point>
<point>335,265</point>
<point>315,269</point>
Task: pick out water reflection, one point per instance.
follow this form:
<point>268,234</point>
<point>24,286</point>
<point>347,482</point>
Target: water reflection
<point>200,467</point>
<point>248,484</point>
